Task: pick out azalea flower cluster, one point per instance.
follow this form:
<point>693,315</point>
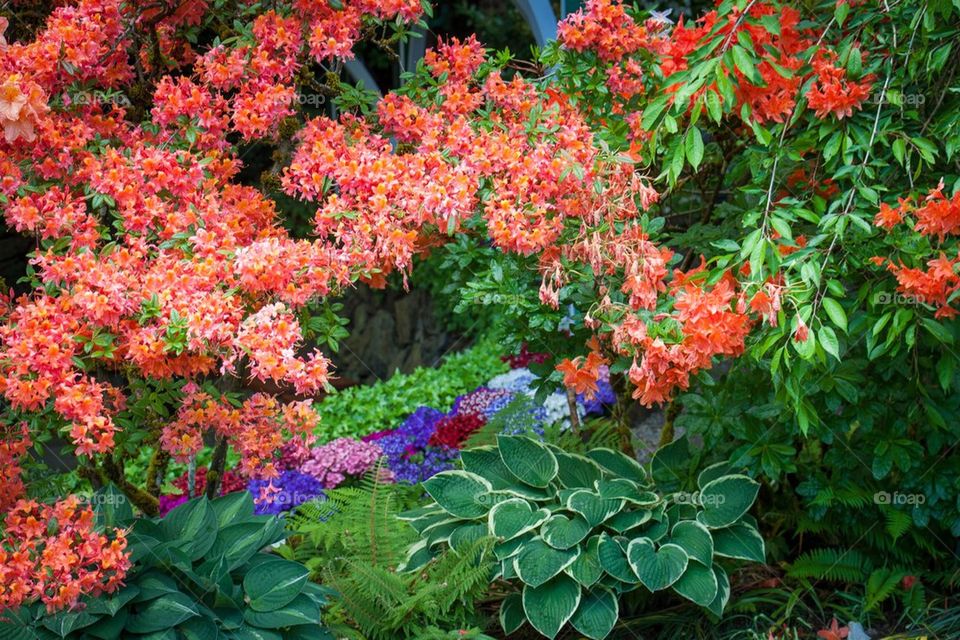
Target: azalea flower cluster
<point>256,430</point>
<point>936,217</point>
<point>623,46</point>
<point>55,554</point>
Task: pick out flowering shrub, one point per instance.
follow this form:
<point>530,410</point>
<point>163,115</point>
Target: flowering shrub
<point>57,554</point>
<point>159,279</point>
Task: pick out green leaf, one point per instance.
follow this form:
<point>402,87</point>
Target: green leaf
<point>656,568</point>
<point>744,64</point>
<point>594,508</point>
<point>723,592</point>
<point>613,559</point>
<point>618,464</point>
<point>531,461</point>
<point>194,525</point>
<point>726,499</point>
<point>512,616</point>
<point>461,494</point>
<point>739,541</point>
<point>561,532</point>
<point>586,569</point>
<point>835,312</point>
<point>576,471</point>
<point>274,584</point>
<point>695,540</point>
<point>597,613</point>
<point>233,507</point>
<point>514,517</point>
<point>693,147</point>
<point>538,562</point>
<point>303,610</point>
<point>698,584</point>
<point>161,614</point>
<point>549,606</point>
<point>828,338</point>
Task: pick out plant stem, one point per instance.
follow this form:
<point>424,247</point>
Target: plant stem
<point>667,432</point>
<point>217,465</point>
<point>574,417</point>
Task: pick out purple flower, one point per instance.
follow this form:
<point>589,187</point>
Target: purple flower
<point>284,493</point>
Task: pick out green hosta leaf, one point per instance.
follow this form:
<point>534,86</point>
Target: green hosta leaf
<point>613,559</point>
<point>577,471</point>
<point>586,568</point>
<point>619,488</point>
<point>695,540</point>
<point>514,517</point>
<point>725,499</point>
<point>302,610</point>
<point>461,494</point>
<point>247,632</point>
<point>466,535</point>
<point>654,530</point>
<point>64,623</point>
<point>697,584</point>
<point>739,541</point>
<point>201,628</point>
<point>161,614</point>
<point>486,463</point>
<point>529,460</point>
<point>592,507</point>
<point>506,550</point>
<point>194,525</point>
<point>627,520</point>
<point>512,616</point>
<point>618,464</point>
<point>538,562</point>
<point>561,532</point>
<point>723,591</point>
<point>713,472</point>
<point>418,555</point>
<point>233,507</point>
<point>549,606</point>
<point>597,613</point>
<point>656,568</point>
<point>274,584</point>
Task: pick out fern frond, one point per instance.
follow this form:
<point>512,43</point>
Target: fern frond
<point>836,565</point>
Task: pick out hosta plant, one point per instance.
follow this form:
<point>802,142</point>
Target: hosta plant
<point>576,531</point>
<point>199,573</point>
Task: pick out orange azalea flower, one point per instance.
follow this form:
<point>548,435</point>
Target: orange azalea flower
<point>582,379</point>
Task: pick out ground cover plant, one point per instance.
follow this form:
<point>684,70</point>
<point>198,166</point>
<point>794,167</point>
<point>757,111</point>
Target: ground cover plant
<point>746,216</point>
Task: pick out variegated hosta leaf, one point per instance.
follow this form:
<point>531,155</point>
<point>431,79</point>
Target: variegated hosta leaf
<point>618,464</point>
<point>586,569</point>
<point>550,605</point>
<point>530,461</point>
<point>597,614</point>
<point>461,494</point>
<point>726,499</point>
<point>739,541</point>
<point>593,507</point>
<point>656,568</point>
<point>561,532</point>
<point>613,559</point>
<point>538,562</point>
<point>514,517</point>
<point>695,539</point>
<point>697,584</point>
<point>723,591</point>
